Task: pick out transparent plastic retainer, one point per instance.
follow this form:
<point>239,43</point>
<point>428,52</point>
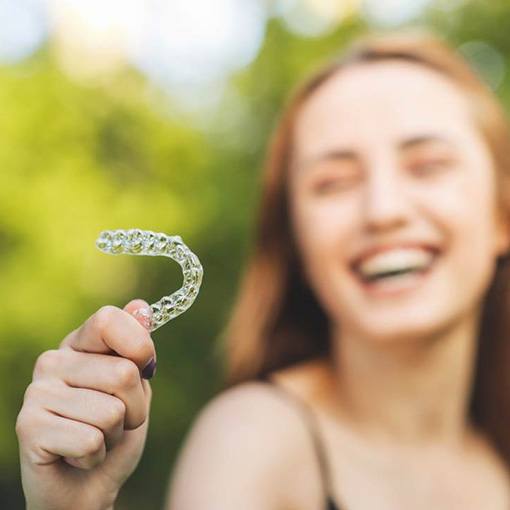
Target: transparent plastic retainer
<point>145,242</point>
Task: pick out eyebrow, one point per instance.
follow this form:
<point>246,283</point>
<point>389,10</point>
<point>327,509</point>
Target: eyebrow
<point>403,145</point>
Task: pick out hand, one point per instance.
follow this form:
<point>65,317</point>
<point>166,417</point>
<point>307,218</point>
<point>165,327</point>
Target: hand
<point>83,423</point>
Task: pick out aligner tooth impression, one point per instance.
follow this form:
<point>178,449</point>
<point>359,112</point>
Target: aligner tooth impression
<point>148,243</point>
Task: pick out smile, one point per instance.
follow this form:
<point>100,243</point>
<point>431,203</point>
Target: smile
<point>396,282</point>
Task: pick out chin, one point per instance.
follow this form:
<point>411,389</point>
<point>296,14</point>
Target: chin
<point>423,327</point>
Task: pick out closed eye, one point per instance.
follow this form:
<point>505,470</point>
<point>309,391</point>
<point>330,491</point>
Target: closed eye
<point>336,183</point>
<point>431,166</point>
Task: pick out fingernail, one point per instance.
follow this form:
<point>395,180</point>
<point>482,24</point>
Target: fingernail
<point>144,317</point>
<point>149,369</point>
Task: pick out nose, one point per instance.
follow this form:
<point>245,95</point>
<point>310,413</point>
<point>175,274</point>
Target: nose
<point>385,202</point>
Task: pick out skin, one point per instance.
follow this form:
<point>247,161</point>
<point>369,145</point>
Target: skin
<point>84,419</point>
<point>391,401</point>
<point>402,367</point>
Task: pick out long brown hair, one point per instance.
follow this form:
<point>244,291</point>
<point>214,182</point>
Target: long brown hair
<point>277,321</point>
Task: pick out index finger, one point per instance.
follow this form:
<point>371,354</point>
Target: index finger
<point>113,331</point>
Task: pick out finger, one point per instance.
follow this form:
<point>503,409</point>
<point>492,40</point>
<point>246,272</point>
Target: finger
<point>112,330</point>
<point>61,437</point>
<point>92,407</point>
<point>112,375</point>
<point>87,462</point>
<point>141,311</point>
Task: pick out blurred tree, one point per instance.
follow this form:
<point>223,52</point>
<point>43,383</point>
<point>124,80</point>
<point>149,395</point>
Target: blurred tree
<point>77,159</point>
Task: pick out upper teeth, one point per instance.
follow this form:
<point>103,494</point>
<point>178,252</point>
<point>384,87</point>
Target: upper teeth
<point>394,260</point>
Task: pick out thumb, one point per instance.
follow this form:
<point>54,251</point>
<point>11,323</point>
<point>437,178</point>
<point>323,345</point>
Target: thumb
<point>141,311</point>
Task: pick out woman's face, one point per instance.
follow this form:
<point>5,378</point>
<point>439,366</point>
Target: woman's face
<point>386,156</point>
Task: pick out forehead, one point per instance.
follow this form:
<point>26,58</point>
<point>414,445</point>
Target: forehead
<point>380,103</point>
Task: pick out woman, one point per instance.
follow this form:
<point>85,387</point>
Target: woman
<point>367,350</point>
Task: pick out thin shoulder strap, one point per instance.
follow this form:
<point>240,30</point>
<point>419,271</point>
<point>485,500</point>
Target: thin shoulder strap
<point>313,428</point>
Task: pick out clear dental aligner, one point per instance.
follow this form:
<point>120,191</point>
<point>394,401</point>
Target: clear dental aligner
<point>145,242</point>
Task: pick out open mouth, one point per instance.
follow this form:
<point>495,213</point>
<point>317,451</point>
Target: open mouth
<point>394,275</point>
<point>396,280</point>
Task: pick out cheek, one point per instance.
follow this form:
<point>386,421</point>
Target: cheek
<point>465,207</point>
<point>317,225</point>
<point>464,210</point>
<point>323,233</point>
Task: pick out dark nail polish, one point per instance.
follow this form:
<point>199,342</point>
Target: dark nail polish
<point>149,369</point>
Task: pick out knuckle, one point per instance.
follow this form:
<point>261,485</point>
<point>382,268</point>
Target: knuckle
<point>116,413</point>
<point>137,420</point>
<point>25,424</point>
<point>21,425</point>
<point>47,362</point>
<point>126,374</point>
<point>35,391</point>
<point>68,338</point>
<point>92,441</point>
<point>103,317</point>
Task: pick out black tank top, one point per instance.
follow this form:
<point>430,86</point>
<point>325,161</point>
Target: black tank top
<point>318,444</point>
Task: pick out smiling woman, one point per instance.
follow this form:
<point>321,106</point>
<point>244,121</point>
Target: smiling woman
<point>393,158</point>
<point>367,352</point>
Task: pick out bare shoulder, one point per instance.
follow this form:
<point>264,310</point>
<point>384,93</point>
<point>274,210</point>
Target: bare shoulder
<point>240,452</point>
<point>249,418</point>
<point>248,404</point>
<point>256,410</point>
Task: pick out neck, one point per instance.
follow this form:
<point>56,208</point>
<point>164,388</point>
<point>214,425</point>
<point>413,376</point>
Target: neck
<point>416,391</point>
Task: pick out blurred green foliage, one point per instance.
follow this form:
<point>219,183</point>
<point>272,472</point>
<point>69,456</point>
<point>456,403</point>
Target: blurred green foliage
<point>77,159</point>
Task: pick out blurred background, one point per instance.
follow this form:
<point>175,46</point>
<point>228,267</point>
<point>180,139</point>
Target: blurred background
<point>155,114</point>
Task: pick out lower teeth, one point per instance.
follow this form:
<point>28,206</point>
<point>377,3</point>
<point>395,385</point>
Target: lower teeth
<point>393,278</point>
